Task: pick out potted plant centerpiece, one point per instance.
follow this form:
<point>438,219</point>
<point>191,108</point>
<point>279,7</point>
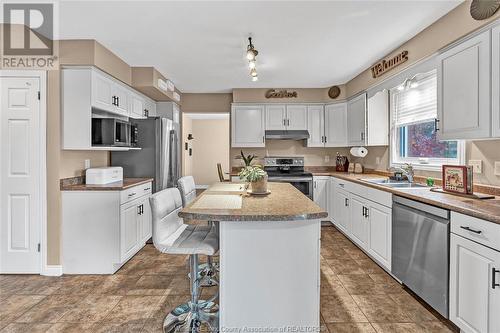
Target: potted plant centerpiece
<point>254,175</point>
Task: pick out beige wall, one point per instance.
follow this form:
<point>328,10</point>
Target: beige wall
<point>312,156</point>
<point>449,28</point>
<point>304,95</point>
<point>206,102</point>
<point>210,146</point>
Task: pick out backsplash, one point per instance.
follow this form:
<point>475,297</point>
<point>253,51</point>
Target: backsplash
<point>312,156</point>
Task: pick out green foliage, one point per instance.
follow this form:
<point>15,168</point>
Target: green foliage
<point>247,159</point>
<point>252,173</point>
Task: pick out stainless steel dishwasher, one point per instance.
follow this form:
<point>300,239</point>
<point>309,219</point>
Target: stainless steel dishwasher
<point>420,250</point>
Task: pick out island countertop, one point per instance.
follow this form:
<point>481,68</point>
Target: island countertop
<point>284,203</point>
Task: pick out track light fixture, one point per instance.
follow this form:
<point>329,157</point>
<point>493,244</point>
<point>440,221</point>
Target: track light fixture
<point>252,59</point>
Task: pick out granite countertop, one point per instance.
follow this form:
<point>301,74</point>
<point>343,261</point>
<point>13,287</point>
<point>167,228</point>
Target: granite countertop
<point>117,186</point>
<point>486,209</point>
<point>285,203</point>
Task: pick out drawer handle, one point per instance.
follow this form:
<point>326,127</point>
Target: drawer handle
<point>147,188</point>
<point>341,185</point>
<point>131,194</point>
<point>471,230</point>
<point>493,278</point>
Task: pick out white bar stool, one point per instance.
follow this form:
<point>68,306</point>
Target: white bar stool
<point>171,235</point>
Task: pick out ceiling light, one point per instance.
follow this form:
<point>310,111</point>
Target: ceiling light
<point>253,72</point>
<point>251,51</point>
<point>255,78</point>
<point>251,64</point>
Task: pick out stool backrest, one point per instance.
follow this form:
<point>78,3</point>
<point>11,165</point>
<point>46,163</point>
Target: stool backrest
<point>219,171</point>
<point>188,189</point>
<point>164,208</point>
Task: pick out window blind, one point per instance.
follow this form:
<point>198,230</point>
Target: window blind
<point>415,104</point>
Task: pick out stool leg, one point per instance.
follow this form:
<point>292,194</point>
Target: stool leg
<point>195,283</point>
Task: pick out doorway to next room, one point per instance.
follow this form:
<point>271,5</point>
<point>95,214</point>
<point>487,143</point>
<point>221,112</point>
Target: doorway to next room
<point>205,142</point>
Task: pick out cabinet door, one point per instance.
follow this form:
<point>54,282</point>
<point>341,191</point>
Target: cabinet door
<point>129,230</point>
<point>474,301</point>
<point>146,220</point>
<point>247,128</point>
<point>320,192</point>
<point>495,80</point>
<point>336,125</point>
<point>359,223</point>
<point>136,106</point>
<point>380,233</point>
<point>102,92</point>
<point>464,90</point>
<point>356,122</point>
<point>150,108</point>
<point>296,116</point>
<point>275,117</point>
<point>315,126</point>
<point>122,97</point>
<point>341,210</point>
<point>377,116</point>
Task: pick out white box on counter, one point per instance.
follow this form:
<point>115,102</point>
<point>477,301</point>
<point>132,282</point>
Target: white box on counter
<point>105,175</point>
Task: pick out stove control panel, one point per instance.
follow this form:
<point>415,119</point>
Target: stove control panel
<point>283,161</point>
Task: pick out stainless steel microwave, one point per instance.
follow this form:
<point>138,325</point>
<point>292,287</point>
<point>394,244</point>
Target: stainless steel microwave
<point>110,132</point>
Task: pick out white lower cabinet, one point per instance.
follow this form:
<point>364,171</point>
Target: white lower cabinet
<point>320,191</point>
<point>366,222</point>
<point>102,230</point>
<point>474,283</point>
<point>380,232</point>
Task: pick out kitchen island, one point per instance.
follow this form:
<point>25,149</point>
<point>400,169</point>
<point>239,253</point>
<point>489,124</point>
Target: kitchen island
<point>269,256</point>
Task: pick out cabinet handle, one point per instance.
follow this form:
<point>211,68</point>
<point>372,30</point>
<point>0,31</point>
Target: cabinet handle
<point>362,136</point>
<point>364,215</point>
<point>263,139</point>
<point>471,230</point>
<point>138,210</point>
<point>436,124</point>
<point>288,122</point>
<point>131,194</point>
<point>366,212</point>
<point>113,100</point>
<point>346,203</point>
<point>493,278</point>
<point>117,101</point>
<point>315,184</point>
<point>284,122</point>
<point>147,188</point>
<point>146,113</point>
<point>341,185</point>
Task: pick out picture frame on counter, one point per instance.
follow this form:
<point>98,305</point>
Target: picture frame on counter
<point>457,178</point>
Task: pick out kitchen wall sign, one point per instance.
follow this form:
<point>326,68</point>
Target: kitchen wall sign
<point>273,93</point>
<point>386,65</point>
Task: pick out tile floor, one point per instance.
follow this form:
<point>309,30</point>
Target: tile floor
<point>356,296</point>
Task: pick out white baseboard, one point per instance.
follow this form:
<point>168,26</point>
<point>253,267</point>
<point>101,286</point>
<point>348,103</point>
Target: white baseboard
<point>52,270</point>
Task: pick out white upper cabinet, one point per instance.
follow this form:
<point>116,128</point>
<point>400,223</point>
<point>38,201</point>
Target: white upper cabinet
<point>136,106</point>
<point>378,119</point>
<point>247,126</point>
<point>108,94</point>
<point>315,126</point>
<point>356,121</point>
<point>336,125</point>
<point>150,108</point>
<point>296,117</point>
<point>275,117</point>
<point>464,89</point>
<point>102,94</point>
<point>495,80</point>
<point>286,117</point>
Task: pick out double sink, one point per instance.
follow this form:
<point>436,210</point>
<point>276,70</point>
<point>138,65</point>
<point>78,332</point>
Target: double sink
<point>394,183</point>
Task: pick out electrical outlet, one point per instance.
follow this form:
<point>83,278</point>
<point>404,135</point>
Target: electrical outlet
<point>327,158</point>
<point>87,164</point>
<point>477,166</point>
<point>497,168</point>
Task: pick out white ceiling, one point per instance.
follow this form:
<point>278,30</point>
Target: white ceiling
<point>201,45</point>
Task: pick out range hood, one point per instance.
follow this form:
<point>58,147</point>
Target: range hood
<point>287,135</point>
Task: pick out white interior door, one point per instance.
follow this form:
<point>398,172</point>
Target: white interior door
<point>20,208</point>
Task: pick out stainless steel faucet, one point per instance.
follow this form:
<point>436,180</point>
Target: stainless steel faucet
<point>407,170</point>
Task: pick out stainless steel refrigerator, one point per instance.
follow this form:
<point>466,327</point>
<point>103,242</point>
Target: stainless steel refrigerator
<point>159,156</point>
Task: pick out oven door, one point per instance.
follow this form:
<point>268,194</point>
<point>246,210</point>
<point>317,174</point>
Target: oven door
<point>303,184</point>
<point>122,133</point>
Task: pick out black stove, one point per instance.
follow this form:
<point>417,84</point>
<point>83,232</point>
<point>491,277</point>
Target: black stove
<point>289,170</point>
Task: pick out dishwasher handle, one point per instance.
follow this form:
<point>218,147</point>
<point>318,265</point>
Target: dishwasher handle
<point>432,210</point>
